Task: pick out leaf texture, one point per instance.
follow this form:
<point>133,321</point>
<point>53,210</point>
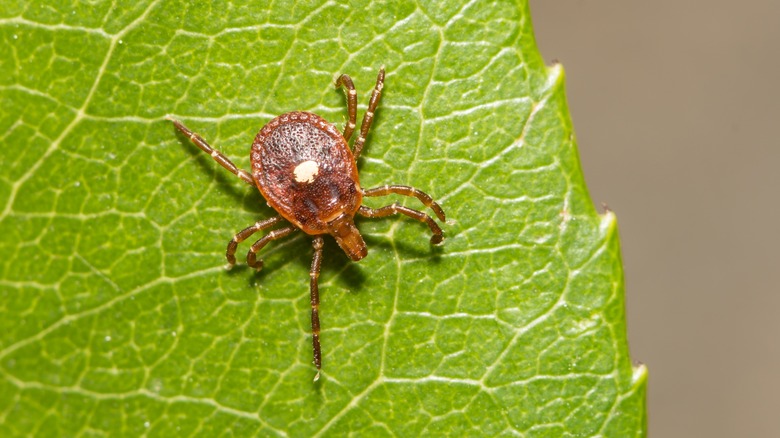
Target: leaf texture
<point>119,319</point>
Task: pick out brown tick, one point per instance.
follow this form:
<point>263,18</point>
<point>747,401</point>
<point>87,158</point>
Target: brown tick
<point>305,170</point>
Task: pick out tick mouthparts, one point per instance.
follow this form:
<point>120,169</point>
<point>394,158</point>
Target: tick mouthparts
<point>348,237</point>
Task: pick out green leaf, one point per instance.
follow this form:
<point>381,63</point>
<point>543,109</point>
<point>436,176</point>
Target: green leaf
<point>119,319</point>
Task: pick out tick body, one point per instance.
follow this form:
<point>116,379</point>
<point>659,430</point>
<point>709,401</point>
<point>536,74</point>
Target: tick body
<point>305,170</point>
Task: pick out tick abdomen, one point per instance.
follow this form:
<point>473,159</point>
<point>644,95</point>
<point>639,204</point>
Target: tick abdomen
<point>305,170</point>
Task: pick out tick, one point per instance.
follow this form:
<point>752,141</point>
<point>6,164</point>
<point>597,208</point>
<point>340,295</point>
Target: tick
<point>305,170</point>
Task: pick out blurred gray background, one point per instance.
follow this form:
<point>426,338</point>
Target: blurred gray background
<point>676,105</point>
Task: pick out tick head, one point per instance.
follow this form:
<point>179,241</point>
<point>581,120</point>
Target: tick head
<point>348,237</point>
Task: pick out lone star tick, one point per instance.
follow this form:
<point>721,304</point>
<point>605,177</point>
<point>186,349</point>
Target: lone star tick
<point>304,168</point>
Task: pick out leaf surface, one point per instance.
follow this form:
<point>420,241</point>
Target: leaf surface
<point>119,319</point>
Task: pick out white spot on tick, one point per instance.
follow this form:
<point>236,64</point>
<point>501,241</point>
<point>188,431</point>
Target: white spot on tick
<point>306,171</point>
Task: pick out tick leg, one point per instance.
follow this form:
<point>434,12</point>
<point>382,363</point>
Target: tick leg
<point>251,256</point>
<point>368,118</point>
<point>408,191</point>
<point>314,274</point>
<point>230,254</point>
<point>215,154</point>
<point>396,208</point>
<point>349,89</point>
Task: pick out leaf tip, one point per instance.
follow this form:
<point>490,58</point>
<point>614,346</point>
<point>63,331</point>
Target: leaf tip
<point>639,375</point>
<point>555,75</point>
<point>608,220</point>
